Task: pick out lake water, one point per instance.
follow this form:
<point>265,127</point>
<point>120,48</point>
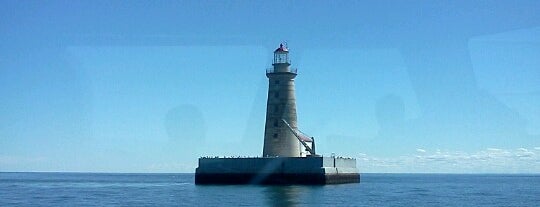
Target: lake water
<point>98,189</point>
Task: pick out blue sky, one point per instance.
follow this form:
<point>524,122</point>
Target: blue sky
<point>412,86</point>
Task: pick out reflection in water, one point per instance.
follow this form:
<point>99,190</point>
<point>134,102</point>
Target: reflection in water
<point>283,195</point>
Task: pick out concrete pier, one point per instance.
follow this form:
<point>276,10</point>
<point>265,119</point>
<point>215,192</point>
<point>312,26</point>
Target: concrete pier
<point>277,170</point>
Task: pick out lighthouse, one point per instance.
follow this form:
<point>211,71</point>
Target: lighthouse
<point>288,154</point>
<point>279,141</point>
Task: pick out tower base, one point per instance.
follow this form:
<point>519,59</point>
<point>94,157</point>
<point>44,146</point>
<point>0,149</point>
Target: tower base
<point>277,170</point>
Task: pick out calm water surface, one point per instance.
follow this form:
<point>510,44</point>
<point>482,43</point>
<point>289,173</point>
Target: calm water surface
<point>95,189</point>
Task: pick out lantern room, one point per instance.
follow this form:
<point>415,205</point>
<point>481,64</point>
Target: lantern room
<point>281,55</point>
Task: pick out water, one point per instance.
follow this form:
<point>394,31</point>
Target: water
<point>91,189</point>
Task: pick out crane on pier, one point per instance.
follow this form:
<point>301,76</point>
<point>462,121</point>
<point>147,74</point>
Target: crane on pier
<point>303,139</point>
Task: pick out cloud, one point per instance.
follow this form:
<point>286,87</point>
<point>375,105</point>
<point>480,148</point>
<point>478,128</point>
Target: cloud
<point>490,160</point>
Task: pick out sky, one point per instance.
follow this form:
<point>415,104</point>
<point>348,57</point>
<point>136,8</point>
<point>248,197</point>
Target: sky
<point>150,86</point>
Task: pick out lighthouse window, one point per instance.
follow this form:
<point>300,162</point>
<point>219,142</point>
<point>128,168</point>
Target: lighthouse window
<point>276,123</point>
<point>276,108</point>
<point>276,95</point>
<point>276,82</point>
<point>275,135</point>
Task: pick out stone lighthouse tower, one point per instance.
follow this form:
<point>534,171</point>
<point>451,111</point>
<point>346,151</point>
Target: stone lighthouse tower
<point>278,139</point>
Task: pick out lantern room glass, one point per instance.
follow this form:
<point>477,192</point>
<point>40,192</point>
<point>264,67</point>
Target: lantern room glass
<point>281,57</point>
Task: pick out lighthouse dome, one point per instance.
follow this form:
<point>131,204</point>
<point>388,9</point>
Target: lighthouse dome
<point>281,48</point>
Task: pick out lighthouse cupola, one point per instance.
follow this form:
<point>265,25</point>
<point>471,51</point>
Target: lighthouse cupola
<point>281,55</point>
